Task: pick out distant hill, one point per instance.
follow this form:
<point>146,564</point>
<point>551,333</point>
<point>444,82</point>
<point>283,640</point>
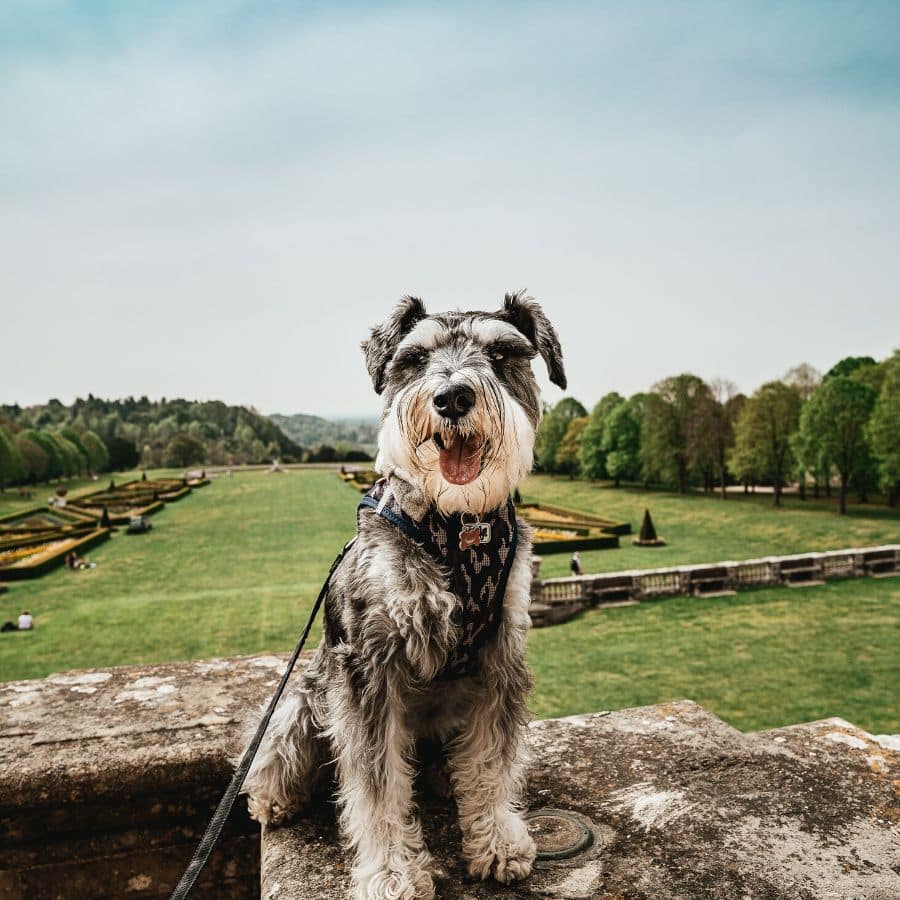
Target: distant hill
<point>155,433</point>
<point>342,434</point>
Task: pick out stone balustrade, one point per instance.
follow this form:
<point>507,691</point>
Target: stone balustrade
<point>557,599</point>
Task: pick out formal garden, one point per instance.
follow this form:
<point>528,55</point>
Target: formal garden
<point>34,541</point>
<point>235,569</point>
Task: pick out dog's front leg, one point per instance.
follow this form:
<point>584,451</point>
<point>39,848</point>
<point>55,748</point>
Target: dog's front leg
<point>281,778</point>
<point>487,771</point>
<point>373,747</point>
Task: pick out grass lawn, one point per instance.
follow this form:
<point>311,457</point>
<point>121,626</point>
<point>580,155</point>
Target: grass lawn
<point>702,529</point>
<point>759,659</point>
<point>234,568</point>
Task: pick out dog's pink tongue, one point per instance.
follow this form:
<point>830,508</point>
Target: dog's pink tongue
<point>460,461</point>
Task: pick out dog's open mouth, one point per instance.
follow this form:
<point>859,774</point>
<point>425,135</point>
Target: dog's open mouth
<point>459,457</point>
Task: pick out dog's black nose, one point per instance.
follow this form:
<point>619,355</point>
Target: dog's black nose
<point>454,400</point>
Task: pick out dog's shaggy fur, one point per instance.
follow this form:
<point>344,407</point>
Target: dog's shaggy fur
<point>371,690</point>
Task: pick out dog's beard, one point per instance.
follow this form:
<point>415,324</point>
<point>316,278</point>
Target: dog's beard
<point>468,465</point>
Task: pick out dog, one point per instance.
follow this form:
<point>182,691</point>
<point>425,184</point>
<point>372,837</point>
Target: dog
<point>426,616</point>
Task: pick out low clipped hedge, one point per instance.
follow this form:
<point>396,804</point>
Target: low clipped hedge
<point>20,573</point>
<point>601,542</point>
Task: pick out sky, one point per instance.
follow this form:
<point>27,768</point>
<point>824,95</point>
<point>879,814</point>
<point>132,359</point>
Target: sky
<point>218,199</point>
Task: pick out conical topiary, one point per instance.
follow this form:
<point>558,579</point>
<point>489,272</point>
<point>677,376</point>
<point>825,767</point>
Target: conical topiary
<point>648,536</point>
<point>648,532</point>
<point>104,518</point>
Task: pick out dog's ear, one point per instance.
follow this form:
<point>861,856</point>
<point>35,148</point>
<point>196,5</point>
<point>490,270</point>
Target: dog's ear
<point>382,343</point>
<point>529,318</point>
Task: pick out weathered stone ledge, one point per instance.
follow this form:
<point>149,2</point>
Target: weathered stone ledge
<point>107,779</point>
<point>684,807</point>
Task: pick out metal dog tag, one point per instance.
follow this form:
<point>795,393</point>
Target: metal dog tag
<point>474,534</point>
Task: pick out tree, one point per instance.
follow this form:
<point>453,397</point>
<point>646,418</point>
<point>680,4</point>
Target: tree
<point>621,441</point>
<point>838,414</point>
<point>97,454</point>
<point>848,365</point>
<point>56,463</point>
<point>763,434</point>
<point>74,437</point>
<point>805,378</point>
<point>73,461</point>
<point>884,429</point>
<point>671,432</point>
<point>552,430</point>
<point>184,450</point>
<point>591,455</point>
<point>128,426</point>
<point>324,453</point>
<point>567,452</point>
<point>807,449</point>
<point>716,416</point>
<point>122,453</point>
<point>11,467</point>
<point>34,460</point>
<point>872,375</point>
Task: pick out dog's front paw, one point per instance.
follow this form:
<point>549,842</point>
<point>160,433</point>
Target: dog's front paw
<point>505,852</point>
<point>270,812</point>
<point>410,883</point>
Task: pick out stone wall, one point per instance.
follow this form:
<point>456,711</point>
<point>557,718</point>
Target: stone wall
<point>107,779</point>
<point>557,599</point>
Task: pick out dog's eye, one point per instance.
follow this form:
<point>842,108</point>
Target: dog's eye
<point>412,357</point>
<point>507,351</point>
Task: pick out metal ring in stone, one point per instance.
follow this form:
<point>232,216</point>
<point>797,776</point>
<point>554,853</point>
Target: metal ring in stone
<point>558,833</point>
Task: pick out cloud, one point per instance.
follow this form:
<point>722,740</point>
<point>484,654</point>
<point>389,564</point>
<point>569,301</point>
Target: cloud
<point>218,201</point>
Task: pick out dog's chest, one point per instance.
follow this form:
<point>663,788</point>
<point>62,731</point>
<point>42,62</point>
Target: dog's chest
<point>476,557</point>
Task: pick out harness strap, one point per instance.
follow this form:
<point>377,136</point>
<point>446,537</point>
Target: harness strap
<point>219,817</point>
<point>404,523</point>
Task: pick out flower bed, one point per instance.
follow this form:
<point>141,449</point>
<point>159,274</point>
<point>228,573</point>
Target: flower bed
<point>361,479</point>
<point>37,559</point>
<point>561,530</point>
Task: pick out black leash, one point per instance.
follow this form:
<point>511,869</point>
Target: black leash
<point>220,816</point>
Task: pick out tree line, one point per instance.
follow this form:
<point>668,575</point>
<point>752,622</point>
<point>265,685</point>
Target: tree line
<point>53,440</point>
<point>840,429</point>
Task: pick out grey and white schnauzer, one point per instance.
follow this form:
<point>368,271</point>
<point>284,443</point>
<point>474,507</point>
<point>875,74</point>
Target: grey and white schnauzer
<point>426,616</point>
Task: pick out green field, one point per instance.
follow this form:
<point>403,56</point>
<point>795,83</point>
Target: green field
<point>702,529</point>
<point>234,567</point>
<point>759,659</point>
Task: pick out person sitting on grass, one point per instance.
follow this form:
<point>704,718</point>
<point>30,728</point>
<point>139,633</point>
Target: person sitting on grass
<point>26,621</point>
<point>77,564</point>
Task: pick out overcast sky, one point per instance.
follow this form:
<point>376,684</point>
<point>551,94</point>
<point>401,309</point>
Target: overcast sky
<point>216,199</point>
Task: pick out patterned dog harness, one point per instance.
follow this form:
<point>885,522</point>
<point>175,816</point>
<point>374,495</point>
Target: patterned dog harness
<point>477,557</point>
